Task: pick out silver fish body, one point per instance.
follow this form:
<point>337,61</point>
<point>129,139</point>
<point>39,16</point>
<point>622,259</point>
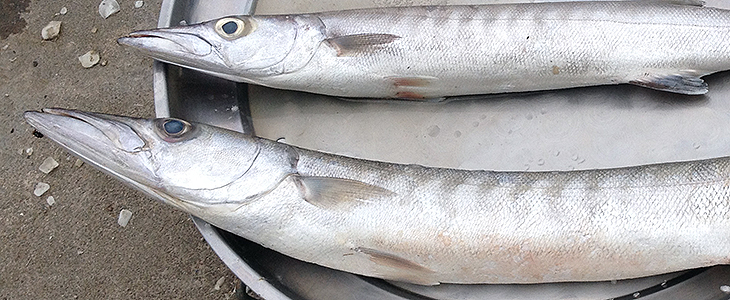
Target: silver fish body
<point>439,51</point>
<point>413,223</point>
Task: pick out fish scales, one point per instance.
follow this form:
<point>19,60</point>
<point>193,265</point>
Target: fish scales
<point>592,225</point>
<point>436,51</point>
<point>413,223</point>
<point>495,44</point>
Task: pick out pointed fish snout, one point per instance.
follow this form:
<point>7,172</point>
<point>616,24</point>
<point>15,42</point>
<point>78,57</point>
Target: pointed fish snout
<point>167,41</point>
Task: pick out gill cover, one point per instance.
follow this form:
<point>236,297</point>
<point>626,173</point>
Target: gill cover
<point>269,45</point>
<point>192,157</point>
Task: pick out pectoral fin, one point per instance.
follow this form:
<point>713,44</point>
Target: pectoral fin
<point>675,83</point>
<point>348,45</point>
<point>339,193</point>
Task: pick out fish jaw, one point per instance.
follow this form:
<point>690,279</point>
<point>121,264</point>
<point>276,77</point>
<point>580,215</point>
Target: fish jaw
<point>170,41</point>
<point>114,145</point>
<point>184,46</point>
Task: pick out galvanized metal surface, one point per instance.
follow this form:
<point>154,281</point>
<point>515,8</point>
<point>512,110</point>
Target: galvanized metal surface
<point>596,127</point>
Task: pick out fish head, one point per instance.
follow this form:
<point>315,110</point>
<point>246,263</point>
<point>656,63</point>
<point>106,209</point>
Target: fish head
<point>236,47</point>
<point>186,165</point>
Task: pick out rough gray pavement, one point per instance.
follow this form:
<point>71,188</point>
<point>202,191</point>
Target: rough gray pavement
<point>75,248</point>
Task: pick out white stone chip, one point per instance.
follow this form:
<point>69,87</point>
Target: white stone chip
<point>29,151</point>
<point>725,289</point>
<point>138,3</point>
<point>89,59</point>
<point>124,217</point>
<point>78,163</point>
<point>51,30</point>
<point>50,200</point>
<point>5,47</point>
<point>64,10</point>
<point>48,165</point>
<point>219,283</point>
<point>41,188</point>
<point>108,8</point>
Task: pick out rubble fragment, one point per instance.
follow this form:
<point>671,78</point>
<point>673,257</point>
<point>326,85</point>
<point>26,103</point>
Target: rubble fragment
<point>89,59</point>
<point>78,163</point>
<point>108,8</point>
<point>50,200</point>
<point>41,188</point>
<point>63,11</point>
<point>138,3</point>
<point>51,30</point>
<point>48,165</point>
<point>124,217</point>
<point>219,283</point>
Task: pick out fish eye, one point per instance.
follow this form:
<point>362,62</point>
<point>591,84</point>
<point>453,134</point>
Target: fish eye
<point>229,27</point>
<point>173,130</point>
<point>173,127</point>
<point>232,28</point>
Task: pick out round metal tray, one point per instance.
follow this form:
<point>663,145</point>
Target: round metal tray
<point>582,128</point>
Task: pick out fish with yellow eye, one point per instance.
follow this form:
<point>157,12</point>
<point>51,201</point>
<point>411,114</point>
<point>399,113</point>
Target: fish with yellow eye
<point>431,52</point>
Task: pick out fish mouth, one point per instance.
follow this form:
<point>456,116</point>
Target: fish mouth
<point>110,143</point>
<point>168,44</point>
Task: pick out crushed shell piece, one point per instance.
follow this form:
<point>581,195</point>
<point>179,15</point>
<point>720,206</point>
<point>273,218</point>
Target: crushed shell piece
<point>51,30</point>
<point>124,217</point>
<point>50,200</point>
<point>89,59</point>
<point>41,188</point>
<point>108,8</point>
<point>48,165</point>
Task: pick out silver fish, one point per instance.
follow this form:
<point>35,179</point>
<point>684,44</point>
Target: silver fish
<point>412,223</point>
<point>439,51</point>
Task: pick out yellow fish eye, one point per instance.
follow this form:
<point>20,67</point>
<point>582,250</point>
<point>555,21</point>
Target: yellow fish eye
<point>233,28</point>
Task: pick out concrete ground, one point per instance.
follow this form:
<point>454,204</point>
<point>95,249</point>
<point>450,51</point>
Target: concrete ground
<point>75,248</point>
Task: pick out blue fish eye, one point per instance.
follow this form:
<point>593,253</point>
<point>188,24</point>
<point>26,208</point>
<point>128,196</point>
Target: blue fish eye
<point>229,27</point>
<point>173,127</point>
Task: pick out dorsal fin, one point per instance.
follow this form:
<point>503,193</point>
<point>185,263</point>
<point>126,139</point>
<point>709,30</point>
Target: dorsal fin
<point>338,193</point>
<point>347,45</point>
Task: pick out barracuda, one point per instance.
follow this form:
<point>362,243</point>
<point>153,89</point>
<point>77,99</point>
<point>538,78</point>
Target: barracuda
<point>440,51</point>
<point>411,223</point>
